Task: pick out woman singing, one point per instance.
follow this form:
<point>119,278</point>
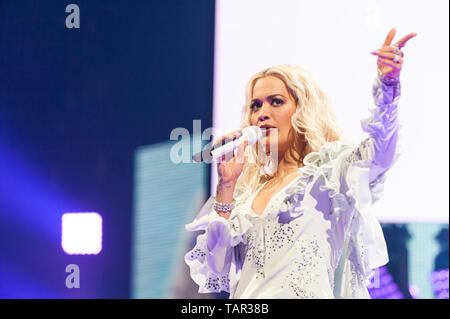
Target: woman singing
<point>301,228</point>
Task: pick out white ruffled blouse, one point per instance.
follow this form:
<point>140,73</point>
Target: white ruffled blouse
<point>317,237</point>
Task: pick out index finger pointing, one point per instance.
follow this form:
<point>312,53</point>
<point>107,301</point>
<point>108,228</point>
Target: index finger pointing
<point>389,37</point>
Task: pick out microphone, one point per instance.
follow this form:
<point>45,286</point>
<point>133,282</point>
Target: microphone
<point>251,134</point>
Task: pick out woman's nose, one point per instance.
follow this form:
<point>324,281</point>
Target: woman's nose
<point>263,113</point>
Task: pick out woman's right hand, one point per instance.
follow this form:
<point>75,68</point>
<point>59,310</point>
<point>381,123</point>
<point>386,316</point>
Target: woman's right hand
<point>230,165</point>
<point>229,168</point>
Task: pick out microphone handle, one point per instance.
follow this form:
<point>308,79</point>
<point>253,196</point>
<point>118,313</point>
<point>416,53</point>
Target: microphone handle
<point>229,147</point>
<point>224,141</point>
<point>206,154</point>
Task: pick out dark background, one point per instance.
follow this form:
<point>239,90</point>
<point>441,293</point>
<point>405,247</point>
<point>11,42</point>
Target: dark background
<point>74,105</point>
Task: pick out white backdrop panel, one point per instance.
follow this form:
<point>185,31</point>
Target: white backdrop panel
<point>333,39</point>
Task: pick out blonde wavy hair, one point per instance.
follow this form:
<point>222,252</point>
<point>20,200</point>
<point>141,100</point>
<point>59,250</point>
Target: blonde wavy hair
<point>314,123</point>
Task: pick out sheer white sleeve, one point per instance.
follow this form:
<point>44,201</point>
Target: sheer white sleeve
<point>362,175</point>
<point>216,259</point>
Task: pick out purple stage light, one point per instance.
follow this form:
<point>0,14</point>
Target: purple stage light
<point>439,280</point>
<point>81,233</point>
<point>414,291</point>
<point>383,286</point>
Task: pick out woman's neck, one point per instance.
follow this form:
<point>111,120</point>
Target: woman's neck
<point>286,168</point>
<point>287,165</point>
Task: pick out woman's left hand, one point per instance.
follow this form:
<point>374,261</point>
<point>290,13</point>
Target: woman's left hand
<point>390,57</point>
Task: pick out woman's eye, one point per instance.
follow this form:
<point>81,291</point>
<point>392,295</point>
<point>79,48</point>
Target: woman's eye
<point>277,102</point>
<point>254,105</point>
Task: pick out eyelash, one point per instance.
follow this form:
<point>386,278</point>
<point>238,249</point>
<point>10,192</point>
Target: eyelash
<point>252,106</point>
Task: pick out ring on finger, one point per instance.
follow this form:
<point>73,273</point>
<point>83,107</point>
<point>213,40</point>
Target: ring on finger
<point>396,59</point>
<point>397,50</point>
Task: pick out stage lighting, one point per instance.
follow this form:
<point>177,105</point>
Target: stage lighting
<point>440,283</point>
<point>81,233</point>
<point>384,287</point>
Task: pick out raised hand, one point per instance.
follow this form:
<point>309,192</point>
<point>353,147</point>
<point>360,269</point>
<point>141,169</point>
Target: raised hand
<point>390,57</point>
<point>230,166</point>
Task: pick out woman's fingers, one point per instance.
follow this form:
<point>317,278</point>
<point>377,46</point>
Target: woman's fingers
<point>229,135</point>
<point>237,155</point>
<point>389,37</point>
<point>389,55</point>
<point>389,48</point>
<point>225,158</point>
<point>240,156</point>
<point>401,43</point>
<point>227,162</point>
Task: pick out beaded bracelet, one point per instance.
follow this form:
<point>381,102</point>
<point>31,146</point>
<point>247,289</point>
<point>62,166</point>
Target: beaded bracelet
<point>223,207</point>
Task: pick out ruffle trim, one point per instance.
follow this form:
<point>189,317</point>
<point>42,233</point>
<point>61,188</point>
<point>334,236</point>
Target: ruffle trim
<point>316,163</point>
<point>212,262</point>
<point>382,123</point>
<point>354,221</point>
<point>362,228</point>
<point>201,271</point>
<point>367,250</point>
<point>238,224</point>
<point>367,247</point>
